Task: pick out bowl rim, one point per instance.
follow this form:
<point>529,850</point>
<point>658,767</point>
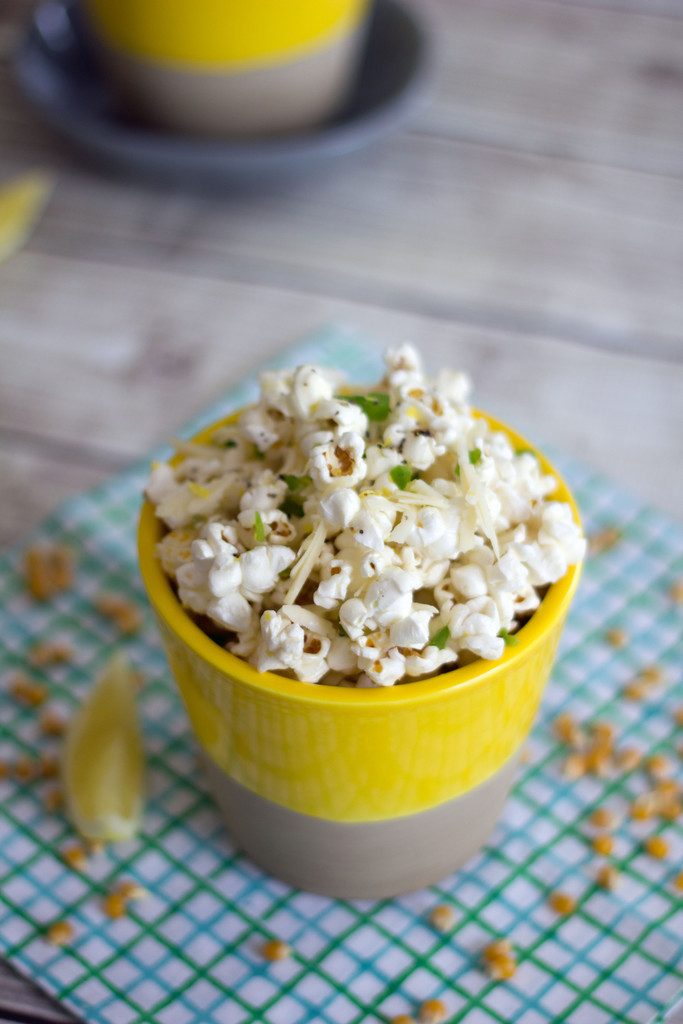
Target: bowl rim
<point>168,608</point>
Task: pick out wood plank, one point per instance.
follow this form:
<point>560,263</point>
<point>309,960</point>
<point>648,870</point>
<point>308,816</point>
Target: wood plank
<point>590,84</point>
<point>452,228</point>
<point>114,359</point>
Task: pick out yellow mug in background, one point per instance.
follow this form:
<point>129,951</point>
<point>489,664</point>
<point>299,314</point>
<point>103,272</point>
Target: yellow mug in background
<point>230,67</point>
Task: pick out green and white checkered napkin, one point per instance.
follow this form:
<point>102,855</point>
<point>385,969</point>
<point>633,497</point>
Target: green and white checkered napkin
<point>190,953</point>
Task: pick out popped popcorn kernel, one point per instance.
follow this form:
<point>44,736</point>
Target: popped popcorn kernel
<point>657,847</point>
<point>607,877</point>
<point>442,917</point>
<point>275,949</point>
<point>363,540</point>
<point>562,902</point>
<point>48,569</point>
<point>616,637</point>
<point>603,844</point>
<point>60,933</point>
<point>432,1011</point>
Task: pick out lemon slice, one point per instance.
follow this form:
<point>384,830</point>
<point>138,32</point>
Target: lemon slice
<point>21,204</point>
<point>103,761</point>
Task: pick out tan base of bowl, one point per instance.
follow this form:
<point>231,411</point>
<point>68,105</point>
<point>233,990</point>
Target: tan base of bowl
<point>272,100</point>
<point>370,860</point>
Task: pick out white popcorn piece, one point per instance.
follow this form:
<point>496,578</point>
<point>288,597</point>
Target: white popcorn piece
<point>330,543</point>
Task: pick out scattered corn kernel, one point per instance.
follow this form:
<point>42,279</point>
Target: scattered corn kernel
<point>671,809</point>
<point>75,857</point>
<point>95,847</point>
<point>678,716</point>
<point>52,724</point>
<point>567,730</point>
<point>26,769</point>
<point>59,933</point>
<point>678,881</point>
<point>497,949</point>
<point>442,917</point>
<point>562,902</point>
<point>607,877</point>
<point>48,569</point>
<point>599,762</point>
<point>132,891</point>
<point>49,766</point>
<point>275,949</point>
<point>603,844</point>
<point>603,733</point>
<point>122,613</point>
<point>658,766</point>
<point>574,766</point>
<point>26,690</point>
<point>114,905</point>
<point>403,1018</point>
<point>657,847</point>
<point>676,591</point>
<point>616,637</point>
<point>53,799</point>
<point>502,968</point>
<point>50,653</point>
<point>603,817</point>
<point>634,691</point>
<point>4,769</point>
<point>432,1011</point>
<point>643,807</point>
<point>629,758</point>
<point>651,674</point>
<point>603,540</point>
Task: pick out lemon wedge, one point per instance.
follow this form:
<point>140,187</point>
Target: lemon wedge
<point>21,203</point>
<point>103,761</point>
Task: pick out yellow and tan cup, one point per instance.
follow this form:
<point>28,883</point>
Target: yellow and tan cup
<point>358,793</point>
<point>229,67</point>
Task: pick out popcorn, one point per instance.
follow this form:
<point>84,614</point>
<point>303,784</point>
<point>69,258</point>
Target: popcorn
<point>361,541</point>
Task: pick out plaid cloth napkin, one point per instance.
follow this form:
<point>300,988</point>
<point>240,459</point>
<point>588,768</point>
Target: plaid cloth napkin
<point>190,953</point>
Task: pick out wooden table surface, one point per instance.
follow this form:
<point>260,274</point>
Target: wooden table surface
<point>528,227</point>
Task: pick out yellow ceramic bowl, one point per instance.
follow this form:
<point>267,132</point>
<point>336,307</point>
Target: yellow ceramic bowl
<point>353,776</point>
<point>229,67</point>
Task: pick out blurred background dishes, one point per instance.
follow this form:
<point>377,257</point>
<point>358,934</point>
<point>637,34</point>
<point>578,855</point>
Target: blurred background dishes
<point>225,67</point>
<point>58,69</point>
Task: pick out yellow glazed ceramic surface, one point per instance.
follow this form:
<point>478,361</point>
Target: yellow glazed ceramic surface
<point>219,33</point>
<point>357,755</point>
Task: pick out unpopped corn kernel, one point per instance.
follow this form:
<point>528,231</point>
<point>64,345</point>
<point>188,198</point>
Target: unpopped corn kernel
<point>602,735</point>
<point>567,729</point>
<point>114,905</point>
<point>671,809</point>
<point>59,933</point>
<point>52,724</point>
<point>603,540</point>
<point>133,891</point>
<point>657,847</point>
<point>562,902</point>
<point>498,948</point>
<point>26,690</point>
<point>432,1011</point>
<point>616,637</point>
<point>574,766</point>
<point>53,799</point>
<point>502,968</point>
<point>26,768</point>
<point>123,613</point>
<point>635,691</point>
<point>607,877</point>
<point>50,652</point>
<point>48,569</point>
<point>652,675</point>
<point>603,817</point>
<point>658,766</point>
<point>49,766</point>
<point>442,917</point>
<point>678,881</point>
<point>676,591</point>
<point>403,1018</point>
<point>678,716</point>
<point>275,949</point>
<point>75,857</point>
<point>628,758</point>
<point>603,844</point>
<point>643,807</point>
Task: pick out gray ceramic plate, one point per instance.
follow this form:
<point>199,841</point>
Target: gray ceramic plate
<point>56,72</point>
